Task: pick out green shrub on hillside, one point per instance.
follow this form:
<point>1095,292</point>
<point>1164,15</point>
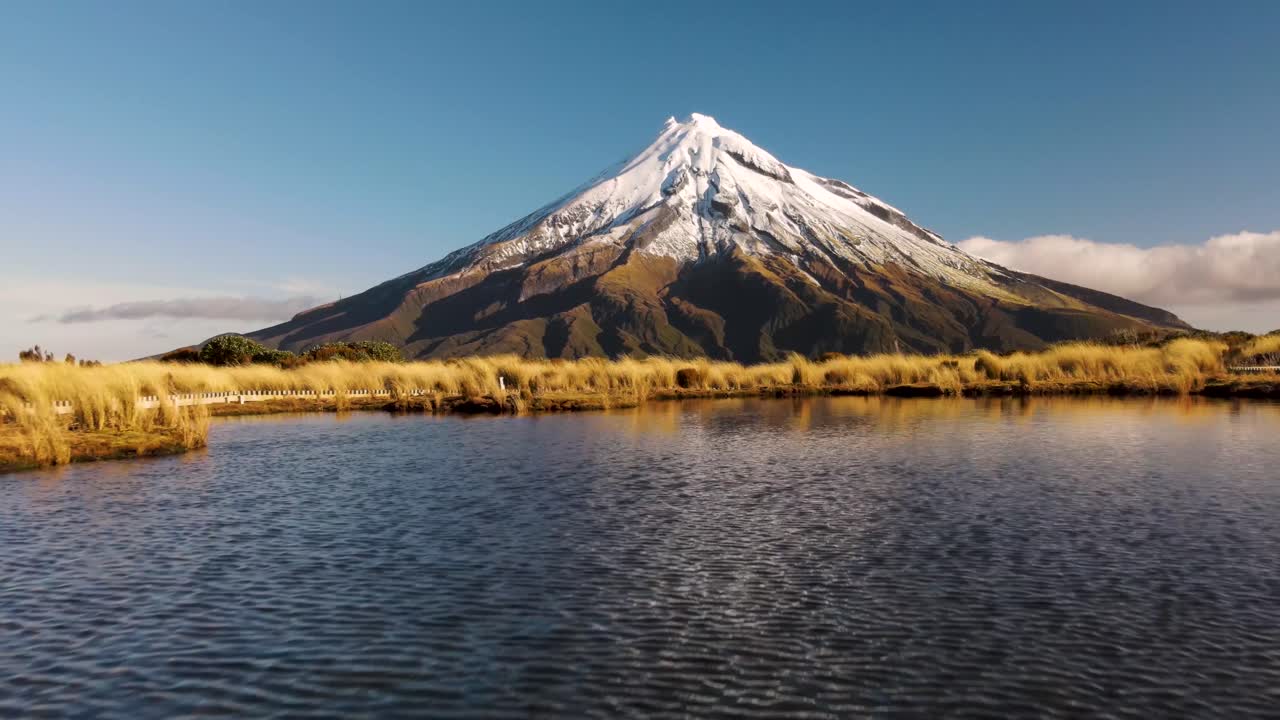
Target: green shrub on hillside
<point>239,350</point>
<point>230,350</point>
<point>280,358</point>
<point>380,351</point>
<point>363,351</point>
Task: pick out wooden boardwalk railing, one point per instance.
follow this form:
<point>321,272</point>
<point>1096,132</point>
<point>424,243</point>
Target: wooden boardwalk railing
<point>1256,369</point>
<point>64,407</point>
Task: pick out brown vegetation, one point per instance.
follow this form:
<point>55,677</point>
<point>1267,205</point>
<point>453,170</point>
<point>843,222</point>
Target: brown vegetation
<point>34,435</point>
<point>1264,350</point>
<point>105,399</point>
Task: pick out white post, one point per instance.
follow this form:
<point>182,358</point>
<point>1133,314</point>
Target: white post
<point>502,383</point>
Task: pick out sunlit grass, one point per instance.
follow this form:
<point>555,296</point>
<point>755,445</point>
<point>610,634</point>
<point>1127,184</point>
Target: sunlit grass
<point>107,395</point>
<point>105,399</point>
<point>1264,350</point>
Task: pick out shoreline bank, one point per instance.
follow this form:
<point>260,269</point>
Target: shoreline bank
<point>19,451</point>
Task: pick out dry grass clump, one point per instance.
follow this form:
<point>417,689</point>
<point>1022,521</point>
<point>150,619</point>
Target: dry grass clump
<point>105,404</point>
<point>1263,351</point>
<point>1182,365</point>
<point>40,439</point>
<point>876,373</point>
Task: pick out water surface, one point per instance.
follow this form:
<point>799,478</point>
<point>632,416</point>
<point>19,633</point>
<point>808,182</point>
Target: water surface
<point>770,558</point>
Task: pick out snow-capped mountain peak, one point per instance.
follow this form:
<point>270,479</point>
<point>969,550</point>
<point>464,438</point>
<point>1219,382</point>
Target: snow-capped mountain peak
<point>705,244</point>
<point>700,189</point>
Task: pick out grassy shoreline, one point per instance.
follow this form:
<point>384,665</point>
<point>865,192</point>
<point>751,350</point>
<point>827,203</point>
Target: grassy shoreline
<point>108,422</point>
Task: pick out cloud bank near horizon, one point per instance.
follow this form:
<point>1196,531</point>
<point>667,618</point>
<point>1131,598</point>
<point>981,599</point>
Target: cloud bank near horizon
<point>1228,281</point>
<point>109,320</point>
<point>1244,267</point>
<point>219,308</point>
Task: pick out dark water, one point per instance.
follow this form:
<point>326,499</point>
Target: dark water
<point>826,558</point>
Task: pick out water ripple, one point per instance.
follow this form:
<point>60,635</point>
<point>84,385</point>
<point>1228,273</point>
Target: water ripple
<point>816,559</point>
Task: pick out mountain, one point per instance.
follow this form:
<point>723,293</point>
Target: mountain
<point>705,244</point>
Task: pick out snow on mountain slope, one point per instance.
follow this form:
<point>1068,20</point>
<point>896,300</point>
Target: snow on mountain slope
<point>699,189</point>
<point>703,244</point>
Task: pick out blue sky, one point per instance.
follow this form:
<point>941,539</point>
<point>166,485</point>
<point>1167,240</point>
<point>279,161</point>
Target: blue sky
<point>154,151</point>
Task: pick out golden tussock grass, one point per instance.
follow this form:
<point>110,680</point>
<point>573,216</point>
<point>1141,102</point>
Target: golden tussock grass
<point>105,399</point>
<point>1264,350</point>
<point>106,420</point>
<point>1182,365</point>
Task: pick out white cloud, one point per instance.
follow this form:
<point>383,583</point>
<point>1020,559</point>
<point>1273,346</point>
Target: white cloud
<point>228,308</point>
<point>1229,281</point>
<point>119,320</point>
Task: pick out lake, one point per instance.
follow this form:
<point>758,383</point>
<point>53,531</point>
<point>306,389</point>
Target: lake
<point>813,558</point>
